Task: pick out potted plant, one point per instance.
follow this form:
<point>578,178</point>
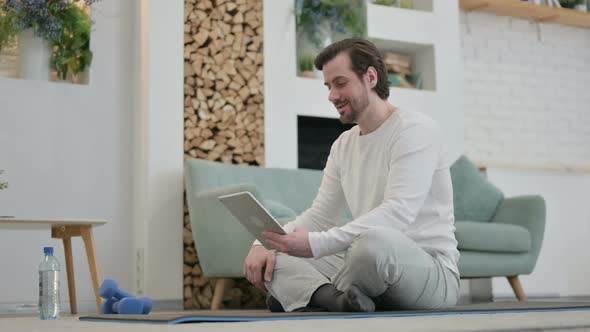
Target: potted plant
<point>306,66</point>
<point>320,22</point>
<point>319,18</point>
<point>571,3</point>
<point>64,25</point>
<point>388,3</point>
<point>8,29</point>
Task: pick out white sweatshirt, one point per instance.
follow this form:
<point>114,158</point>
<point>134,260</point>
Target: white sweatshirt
<point>394,177</point>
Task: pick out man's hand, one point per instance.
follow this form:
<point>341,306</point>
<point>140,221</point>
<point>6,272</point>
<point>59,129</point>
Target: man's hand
<point>294,244</point>
<point>259,259</point>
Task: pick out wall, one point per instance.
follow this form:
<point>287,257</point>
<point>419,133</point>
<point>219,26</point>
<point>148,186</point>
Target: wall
<point>112,150</point>
<point>564,259</point>
<point>526,99</point>
<point>158,152</point>
<point>67,152</point>
<point>526,117</point>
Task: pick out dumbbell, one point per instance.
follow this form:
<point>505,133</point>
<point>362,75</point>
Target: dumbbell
<point>147,304</point>
<point>127,306</point>
<point>114,303</point>
<point>110,288</point>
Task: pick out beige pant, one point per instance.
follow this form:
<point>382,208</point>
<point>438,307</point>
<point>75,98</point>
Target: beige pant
<point>384,264</point>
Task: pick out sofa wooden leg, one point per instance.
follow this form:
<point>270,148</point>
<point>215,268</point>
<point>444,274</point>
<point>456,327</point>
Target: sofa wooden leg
<point>220,286</point>
<point>517,288</point>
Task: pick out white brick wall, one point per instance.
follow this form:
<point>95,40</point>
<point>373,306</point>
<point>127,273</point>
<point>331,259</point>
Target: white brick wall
<point>527,100</point>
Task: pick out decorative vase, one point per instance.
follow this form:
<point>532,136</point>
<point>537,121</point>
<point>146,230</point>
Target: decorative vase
<point>34,57</point>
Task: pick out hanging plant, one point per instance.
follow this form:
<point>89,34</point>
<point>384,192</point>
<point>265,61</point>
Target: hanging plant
<point>341,16</point>
<point>8,29</point>
<point>71,51</point>
<point>66,24</point>
<point>570,3</point>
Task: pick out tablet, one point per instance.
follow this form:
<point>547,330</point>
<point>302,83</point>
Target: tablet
<point>250,213</point>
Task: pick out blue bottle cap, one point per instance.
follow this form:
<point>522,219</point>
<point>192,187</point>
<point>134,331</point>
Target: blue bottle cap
<point>48,250</point>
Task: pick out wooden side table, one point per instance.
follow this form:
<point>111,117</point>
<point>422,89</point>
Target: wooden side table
<point>65,229</point>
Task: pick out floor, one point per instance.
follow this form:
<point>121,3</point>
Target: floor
<point>546,321</point>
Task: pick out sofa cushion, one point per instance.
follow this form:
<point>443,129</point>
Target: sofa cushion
<point>475,198</point>
<point>278,210</point>
<point>492,237</point>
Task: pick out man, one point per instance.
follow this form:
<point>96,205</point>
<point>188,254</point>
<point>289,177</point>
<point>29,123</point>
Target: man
<point>399,251</point>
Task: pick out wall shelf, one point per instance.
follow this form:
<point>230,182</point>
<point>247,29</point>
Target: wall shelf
<point>416,40</point>
<point>529,11</point>
<point>421,55</point>
<point>418,26</point>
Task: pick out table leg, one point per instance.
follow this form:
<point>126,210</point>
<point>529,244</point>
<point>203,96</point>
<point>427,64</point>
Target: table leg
<point>86,232</point>
<point>70,271</point>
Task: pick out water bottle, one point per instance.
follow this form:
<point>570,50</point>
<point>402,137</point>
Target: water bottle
<point>49,286</point>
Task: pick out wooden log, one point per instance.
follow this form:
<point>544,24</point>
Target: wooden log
<point>201,37</point>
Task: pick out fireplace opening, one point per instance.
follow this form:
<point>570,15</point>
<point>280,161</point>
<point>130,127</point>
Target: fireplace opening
<point>315,136</point>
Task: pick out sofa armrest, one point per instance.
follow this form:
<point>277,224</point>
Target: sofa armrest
<point>222,243</point>
<point>525,211</point>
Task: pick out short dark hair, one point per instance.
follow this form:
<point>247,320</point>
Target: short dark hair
<point>362,54</point>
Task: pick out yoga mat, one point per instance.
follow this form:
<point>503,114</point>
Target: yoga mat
<point>202,316</point>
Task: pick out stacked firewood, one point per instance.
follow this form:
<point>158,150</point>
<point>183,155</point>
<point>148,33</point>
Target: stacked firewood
<point>223,73</point>
<point>223,113</point>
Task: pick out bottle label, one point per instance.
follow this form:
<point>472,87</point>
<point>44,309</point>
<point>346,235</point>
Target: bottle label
<point>49,294</point>
<point>48,283</point>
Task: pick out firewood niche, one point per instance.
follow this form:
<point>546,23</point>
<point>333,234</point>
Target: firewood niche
<point>223,81</point>
<point>223,114</point>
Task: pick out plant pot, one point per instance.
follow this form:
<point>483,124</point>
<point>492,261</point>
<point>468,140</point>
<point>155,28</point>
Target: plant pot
<point>34,57</point>
<point>79,78</point>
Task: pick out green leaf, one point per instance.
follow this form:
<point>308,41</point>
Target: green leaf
<point>71,51</point>
<point>8,29</point>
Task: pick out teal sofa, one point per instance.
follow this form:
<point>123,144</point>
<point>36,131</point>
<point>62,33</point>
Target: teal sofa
<point>506,244</point>
<point>497,236</point>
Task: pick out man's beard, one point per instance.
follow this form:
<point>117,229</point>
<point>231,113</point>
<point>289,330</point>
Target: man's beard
<point>356,106</point>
